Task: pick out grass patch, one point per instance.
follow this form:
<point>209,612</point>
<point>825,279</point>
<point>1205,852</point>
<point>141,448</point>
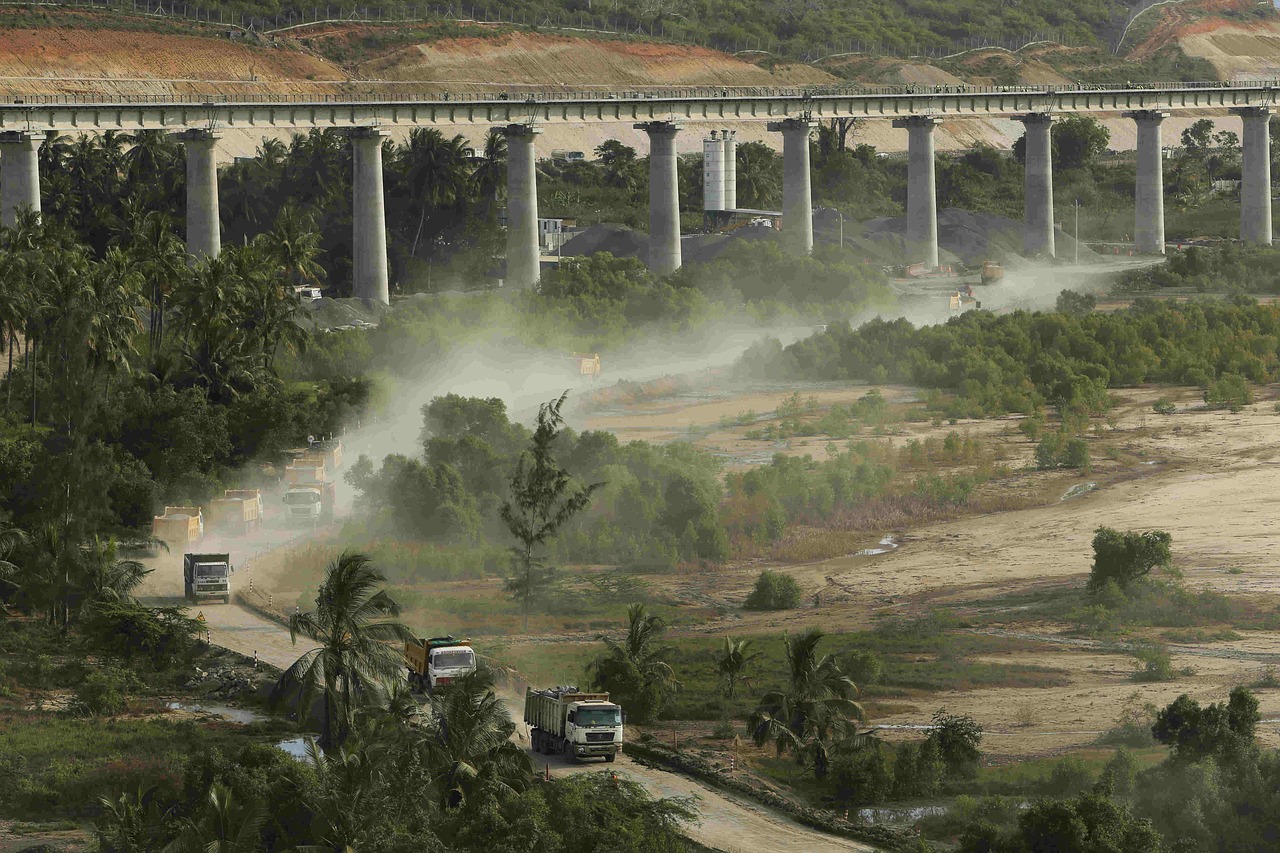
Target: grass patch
<point>1028,775</point>
<point>1198,635</point>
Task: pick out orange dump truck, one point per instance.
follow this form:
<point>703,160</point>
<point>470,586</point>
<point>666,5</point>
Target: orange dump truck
<point>588,364</point>
<point>179,527</point>
<point>237,512</point>
<point>304,473</point>
<point>326,453</point>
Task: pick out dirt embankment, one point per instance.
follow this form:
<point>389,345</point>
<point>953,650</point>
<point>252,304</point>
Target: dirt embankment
<point>1218,32</point>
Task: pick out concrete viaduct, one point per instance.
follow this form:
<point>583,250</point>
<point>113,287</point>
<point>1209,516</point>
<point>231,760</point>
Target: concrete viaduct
<point>791,112</point>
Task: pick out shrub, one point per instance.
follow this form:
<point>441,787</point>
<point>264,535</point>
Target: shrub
<point>1154,664</point>
<point>1125,557</point>
<point>1230,391</point>
<point>957,738</point>
<point>864,667</point>
<point>862,774</point>
<point>104,692</point>
<point>1164,406</point>
<point>724,730</point>
<point>1075,454</point>
<point>774,591</point>
<point>1068,777</point>
<point>1119,773</point>
<point>918,769</point>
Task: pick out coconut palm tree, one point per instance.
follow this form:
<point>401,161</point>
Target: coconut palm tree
<point>816,706</point>
<point>636,670</point>
<point>103,575</point>
<point>222,826</point>
<point>467,740</point>
<point>436,171</point>
<point>491,175</point>
<point>295,245</point>
<point>733,661</point>
<point>359,651</point>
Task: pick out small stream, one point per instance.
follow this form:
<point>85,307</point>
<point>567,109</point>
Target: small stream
<point>887,544</point>
<point>236,715</point>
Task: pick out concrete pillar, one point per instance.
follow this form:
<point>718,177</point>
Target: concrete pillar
<point>712,173</point>
<point>664,197</point>
<point>1148,225</point>
<point>797,191</point>
<point>369,217</point>
<point>730,140</point>
<point>922,197</point>
<point>1255,188</point>
<point>1037,235</point>
<point>522,208</point>
<point>204,234</point>
<point>19,174</point>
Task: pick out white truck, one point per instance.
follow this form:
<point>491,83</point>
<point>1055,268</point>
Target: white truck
<point>207,576</point>
<point>582,725</point>
<point>309,504</point>
<point>436,661</point>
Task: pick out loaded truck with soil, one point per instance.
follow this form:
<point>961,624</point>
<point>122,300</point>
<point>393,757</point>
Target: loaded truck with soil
<point>581,725</point>
<point>436,661</point>
<point>207,576</point>
<point>237,512</point>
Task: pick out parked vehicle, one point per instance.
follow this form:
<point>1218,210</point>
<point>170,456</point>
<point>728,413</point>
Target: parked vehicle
<point>207,576</point>
<point>437,661</point>
<point>567,722</point>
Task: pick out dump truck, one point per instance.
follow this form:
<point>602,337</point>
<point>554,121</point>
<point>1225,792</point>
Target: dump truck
<point>565,721</point>
<point>237,512</point>
<point>207,576</point>
<point>436,661</point>
<point>326,453</point>
<point>303,472</point>
<point>992,273</point>
<point>310,503</point>
<point>588,364</point>
<point>179,527</point>
<point>962,299</point>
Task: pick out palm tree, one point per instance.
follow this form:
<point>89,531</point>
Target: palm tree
<point>759,171</point>
<point>223,826</point>
<point>467,740</point>
<point>816,706</point>
<point>636,670</point>
<point>13,312</point>
<point>295,245</point>
<point>354,624</point>
<point>491,175</point>
<point>103,576</point>
<point>732,664</point>
<point>130,823</point>
<point>436,170</point>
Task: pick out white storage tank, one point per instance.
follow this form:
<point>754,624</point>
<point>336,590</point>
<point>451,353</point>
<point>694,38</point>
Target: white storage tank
<point>728,138</point>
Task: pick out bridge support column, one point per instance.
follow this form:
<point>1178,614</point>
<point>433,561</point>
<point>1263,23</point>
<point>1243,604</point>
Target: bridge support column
<point>19,174</point>
<point>730,169</point>
<point>797,190</point>
<point>204,235</point>
<point>1037,235</point>
<point>369,217</point>
<point>1148,227</point>
<point>922,198</point>
<point>1255,188</point>
<point>522,208</point>
<point>664,197</point>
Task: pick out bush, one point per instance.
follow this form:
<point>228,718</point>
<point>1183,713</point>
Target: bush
<point>127,631</point>
<point>1230,391</point>
<point>1125,557</point>
<point>1154,664</point>
<point>957,738</point>
<point>105,692</point>
<point>1068,777</point>
<point>1164,406</point>
<point>862,774</point>
<point>864,667</point>
<point>1119,773</point>
<point>919,769</point>
<point>774,591</point>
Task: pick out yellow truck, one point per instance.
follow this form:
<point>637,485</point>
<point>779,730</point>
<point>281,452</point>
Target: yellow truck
<point>436,661</point>
<point>237,512</point>
<point>304,473</point>
<point>326,453</point>
<point>179,527</point>
<point>563,720</point>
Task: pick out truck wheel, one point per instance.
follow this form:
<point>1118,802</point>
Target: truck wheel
<point>226,599</point>
<point>609,758</point>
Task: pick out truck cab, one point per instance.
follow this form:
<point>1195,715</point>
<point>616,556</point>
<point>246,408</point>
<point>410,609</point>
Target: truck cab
<point>447,664</point>
<point>593,728</point>
<point>309,503</point>
<point>207,576</point>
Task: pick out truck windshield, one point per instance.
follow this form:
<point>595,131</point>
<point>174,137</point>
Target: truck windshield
<point>452,658</point>
<point>307,497</point>
<point>598,717</point>
<point>211,570</point>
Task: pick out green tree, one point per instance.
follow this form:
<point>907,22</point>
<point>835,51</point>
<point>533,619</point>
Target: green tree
<point>467,743</point>
<point>815,708</point>
<point>957,738</point>
<point>1220,730</point>
<point>1078,141</point>
<point>543,498</point>
<point>635,671</point>
<point>1126,557</point>
<point>733,661</point>
<point>224,825</point>
<point>360,649</point>
<point>773,591</point>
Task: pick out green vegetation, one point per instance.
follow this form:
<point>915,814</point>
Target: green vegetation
<point>1122,558</point>
<point>635,671</point>
<point>773,591</point>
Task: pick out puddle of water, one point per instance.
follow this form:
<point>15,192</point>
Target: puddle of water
<point>1078,490</point>
<point>883,816</point>
<point>295,746</point>
<point>887,544</point>
<point>235,715</point>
